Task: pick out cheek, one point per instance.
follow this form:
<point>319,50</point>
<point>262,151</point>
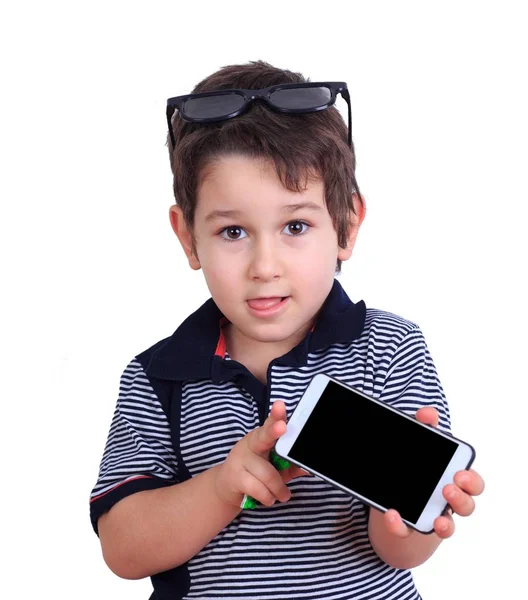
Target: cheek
<point>317,255</point>
<point>217,268</point>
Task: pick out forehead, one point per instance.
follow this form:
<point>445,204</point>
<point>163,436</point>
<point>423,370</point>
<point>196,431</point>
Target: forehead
<point>242,181</point>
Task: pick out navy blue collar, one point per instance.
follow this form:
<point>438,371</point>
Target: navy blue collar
<point>192,352</point>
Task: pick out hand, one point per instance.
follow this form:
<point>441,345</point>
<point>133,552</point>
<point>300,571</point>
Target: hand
<point>459,495</point>
<point>247,469</point>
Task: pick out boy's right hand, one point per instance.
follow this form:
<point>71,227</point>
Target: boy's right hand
<point>247,469</point>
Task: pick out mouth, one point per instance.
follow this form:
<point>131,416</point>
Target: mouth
<point>268,306</point>
<point>266,303</point>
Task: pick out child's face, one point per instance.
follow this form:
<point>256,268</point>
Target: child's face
<point>270,263</point>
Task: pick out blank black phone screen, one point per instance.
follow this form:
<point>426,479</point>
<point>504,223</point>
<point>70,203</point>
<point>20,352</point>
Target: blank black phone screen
<point>377,453</point>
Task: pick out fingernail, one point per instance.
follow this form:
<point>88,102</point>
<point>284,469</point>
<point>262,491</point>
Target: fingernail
<point>444,526</point>
<point>451,494</point>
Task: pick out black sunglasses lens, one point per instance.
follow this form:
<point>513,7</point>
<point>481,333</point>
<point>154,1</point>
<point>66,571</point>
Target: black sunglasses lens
<point>301,98</point>
<point>212,107</point>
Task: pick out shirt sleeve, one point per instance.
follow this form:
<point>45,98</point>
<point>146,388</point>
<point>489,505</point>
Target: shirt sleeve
<point>412,380</point>
<point>138,454</point>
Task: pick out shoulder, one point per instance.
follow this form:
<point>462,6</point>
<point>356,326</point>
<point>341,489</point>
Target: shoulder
<point>395,343</point>
<point>383,334</point>
<point>138,385</point>
<point>387,338</point>
<point>383,320</point>
<point>387,329</point>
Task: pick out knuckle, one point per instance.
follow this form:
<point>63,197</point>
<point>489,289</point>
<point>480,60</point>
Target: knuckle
<point>270,477</point>
<point>246,483</point>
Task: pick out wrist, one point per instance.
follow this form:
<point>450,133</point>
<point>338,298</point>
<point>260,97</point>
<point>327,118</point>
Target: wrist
<point>400,552</point>
<point>219,493</point>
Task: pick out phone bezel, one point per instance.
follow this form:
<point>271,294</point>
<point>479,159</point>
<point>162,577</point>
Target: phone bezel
<point>435,506</point>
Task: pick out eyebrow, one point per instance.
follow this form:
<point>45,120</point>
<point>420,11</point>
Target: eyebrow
<point>289,208</point>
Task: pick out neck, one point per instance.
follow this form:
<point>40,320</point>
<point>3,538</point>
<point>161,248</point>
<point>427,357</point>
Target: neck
<point>256,355</point>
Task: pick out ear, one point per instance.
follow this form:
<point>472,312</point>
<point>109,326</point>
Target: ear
<point>183,233</point>
<point>353,228</point>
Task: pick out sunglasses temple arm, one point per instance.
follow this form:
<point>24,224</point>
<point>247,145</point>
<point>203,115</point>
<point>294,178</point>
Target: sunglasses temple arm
<point>349,125</point>
<point>170,112</point>
<point>346,96</point>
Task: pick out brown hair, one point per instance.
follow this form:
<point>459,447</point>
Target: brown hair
<point>299,145</point>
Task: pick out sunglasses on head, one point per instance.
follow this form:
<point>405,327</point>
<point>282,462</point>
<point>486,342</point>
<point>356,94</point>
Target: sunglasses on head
<point>292,98</point>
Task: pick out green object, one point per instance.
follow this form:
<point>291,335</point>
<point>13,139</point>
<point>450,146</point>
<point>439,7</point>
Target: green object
<point>280,464</point>
<point>248,502</point>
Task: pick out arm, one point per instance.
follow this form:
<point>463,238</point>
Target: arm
<point>149,522</point>
<point>404,548</point>
<point>156,530</point>
<point>146,519</point>
<point>412,385</point>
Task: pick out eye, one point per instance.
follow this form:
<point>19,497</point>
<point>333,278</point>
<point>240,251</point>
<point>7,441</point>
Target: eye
<point>232,233</point>
<point>296,228</point>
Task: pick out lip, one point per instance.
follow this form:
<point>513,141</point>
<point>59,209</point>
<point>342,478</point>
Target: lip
<point>269,312</point>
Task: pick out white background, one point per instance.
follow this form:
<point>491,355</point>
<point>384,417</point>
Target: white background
<point>92,273</point>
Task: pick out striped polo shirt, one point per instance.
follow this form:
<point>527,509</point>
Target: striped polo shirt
<point>183,404</point>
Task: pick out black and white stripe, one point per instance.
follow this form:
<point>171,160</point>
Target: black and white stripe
<point>315,546</point>
<point>139,442</point>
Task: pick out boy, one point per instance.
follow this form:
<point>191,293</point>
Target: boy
<point>266,205</point>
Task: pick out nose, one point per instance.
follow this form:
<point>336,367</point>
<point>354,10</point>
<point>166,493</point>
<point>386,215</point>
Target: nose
<point>265,261</point>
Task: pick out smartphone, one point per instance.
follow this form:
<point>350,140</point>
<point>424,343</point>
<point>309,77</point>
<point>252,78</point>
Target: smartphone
<point>373,451</point>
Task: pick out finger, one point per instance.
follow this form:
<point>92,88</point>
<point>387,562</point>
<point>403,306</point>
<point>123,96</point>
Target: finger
<point>470,481</point>
<point>263,439</point>
<point>278,411</point>
<point>395,524</point>
<point>461,503</point>
<point>444,526</point>
<point>427,415</point>
<point>266,473</point>
<point>253,487</point>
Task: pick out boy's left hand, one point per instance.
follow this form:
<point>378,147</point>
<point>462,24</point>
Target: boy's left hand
<point>459,495</point>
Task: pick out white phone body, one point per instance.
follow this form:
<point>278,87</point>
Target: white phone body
<point>318,432</point>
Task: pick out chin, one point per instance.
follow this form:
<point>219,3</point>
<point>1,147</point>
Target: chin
<point>261,335</point>
<point>271,333</point>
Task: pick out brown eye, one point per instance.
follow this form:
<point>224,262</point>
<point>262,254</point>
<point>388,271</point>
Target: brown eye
<point>232,234</point>
<point>297,227</point>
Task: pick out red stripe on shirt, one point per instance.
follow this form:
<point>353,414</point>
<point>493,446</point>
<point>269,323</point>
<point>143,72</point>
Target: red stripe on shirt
<point>120,484</point>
